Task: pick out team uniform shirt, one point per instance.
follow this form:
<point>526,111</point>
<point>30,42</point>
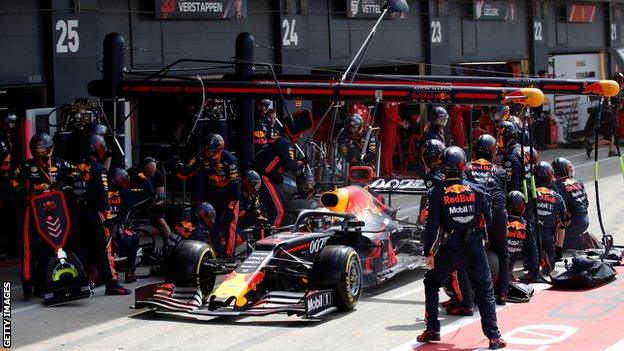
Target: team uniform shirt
<point>431,179</point>
<point>186,230</point>
<point>492,178</point>
<point>91,187</point>
<point>516,234</point>
<point>574,195</point>
<point>36,179</point>
<point>222,175</point>
<point>278,158</point>
<point>457,208</point>
<point>514,169</point>
<point>351,150</point>
<point>550,207</point>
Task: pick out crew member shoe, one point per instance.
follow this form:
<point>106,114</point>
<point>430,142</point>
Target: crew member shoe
<point>497,343</point>
<point>115,288</point>
<point>459,311</point>
<point>528,278</point>
<point>450,302</point>
<point>130,278</point>
<point>501,299</point>
<point>429,336</point>
<point>613,153</point>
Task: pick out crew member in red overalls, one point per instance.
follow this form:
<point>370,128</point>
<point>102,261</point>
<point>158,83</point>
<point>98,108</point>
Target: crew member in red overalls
<point>390,135</point>
<point>457,123</point>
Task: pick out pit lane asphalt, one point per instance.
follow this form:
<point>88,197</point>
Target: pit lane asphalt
<point>385,317</point>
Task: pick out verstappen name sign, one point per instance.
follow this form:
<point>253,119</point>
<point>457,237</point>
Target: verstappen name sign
<point>218,9</point>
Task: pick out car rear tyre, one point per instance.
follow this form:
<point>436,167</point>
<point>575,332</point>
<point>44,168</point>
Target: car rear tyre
<point>185,266</point>
<point>338,267</point>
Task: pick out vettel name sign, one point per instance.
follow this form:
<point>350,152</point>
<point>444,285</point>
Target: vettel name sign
<point>218,9</point>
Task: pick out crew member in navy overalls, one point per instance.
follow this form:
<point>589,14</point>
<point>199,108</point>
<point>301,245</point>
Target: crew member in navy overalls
<point>458,214</point>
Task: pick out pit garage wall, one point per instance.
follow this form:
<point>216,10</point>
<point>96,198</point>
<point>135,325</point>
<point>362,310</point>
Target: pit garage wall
<point>441,32</point>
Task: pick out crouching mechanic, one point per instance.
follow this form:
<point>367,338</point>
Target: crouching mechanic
<point>252,211</point>
<point>351,143</point>
<point>200,228</point>
<point>276,159</point>
<point>551,212</point>
<point>122,198</point>
<point>575,197</point>
<point>457,214</point>
<point>219,183</point>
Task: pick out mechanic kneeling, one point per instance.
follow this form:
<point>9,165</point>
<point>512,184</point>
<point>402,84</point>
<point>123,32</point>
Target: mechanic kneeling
<point>457,214</point>
<point>201,228</point>
<point>122,198</point>
<point>575,197</point>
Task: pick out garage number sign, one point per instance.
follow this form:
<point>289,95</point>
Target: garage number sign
<point>213,9</point>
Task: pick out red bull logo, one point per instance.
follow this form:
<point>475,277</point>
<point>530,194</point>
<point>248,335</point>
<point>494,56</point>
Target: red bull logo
<point>517,97</point>
<point>481,162</point>
<point>442,96</point>
<point>456,189</point>
<point>459,199</point>
<point>593,89</point>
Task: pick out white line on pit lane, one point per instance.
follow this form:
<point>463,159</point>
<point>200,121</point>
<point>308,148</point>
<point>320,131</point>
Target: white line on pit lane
<point>35,305</point>
<point>409,292</point>
<point>411,345</point>
<point>618,346</point>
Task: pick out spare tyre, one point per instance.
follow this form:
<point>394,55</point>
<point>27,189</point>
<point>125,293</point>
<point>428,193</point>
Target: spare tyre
<point>338,267</point>
<point>185,266</point>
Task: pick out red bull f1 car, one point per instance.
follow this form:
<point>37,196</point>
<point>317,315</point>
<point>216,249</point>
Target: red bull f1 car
<point>317,266</point>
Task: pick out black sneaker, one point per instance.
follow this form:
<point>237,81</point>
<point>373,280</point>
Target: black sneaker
<point>428,336</point>
<point>116,289</point>
<point>459,311</point>
<point>497,343</point>
<point>450,302</point>
<point>528,278</point>
<point>130,278</point>
<point>501,299</point>
<point>613,153</point>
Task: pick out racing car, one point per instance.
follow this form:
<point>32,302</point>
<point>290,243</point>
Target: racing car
<point>318,265</point>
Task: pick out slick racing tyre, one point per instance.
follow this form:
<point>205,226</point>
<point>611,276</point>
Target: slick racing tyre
<point>338,267</point>
<point>492,259</point>
<point>185,266</point>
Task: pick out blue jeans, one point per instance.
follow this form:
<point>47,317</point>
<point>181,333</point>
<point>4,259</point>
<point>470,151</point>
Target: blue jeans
<point>471,256</point>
